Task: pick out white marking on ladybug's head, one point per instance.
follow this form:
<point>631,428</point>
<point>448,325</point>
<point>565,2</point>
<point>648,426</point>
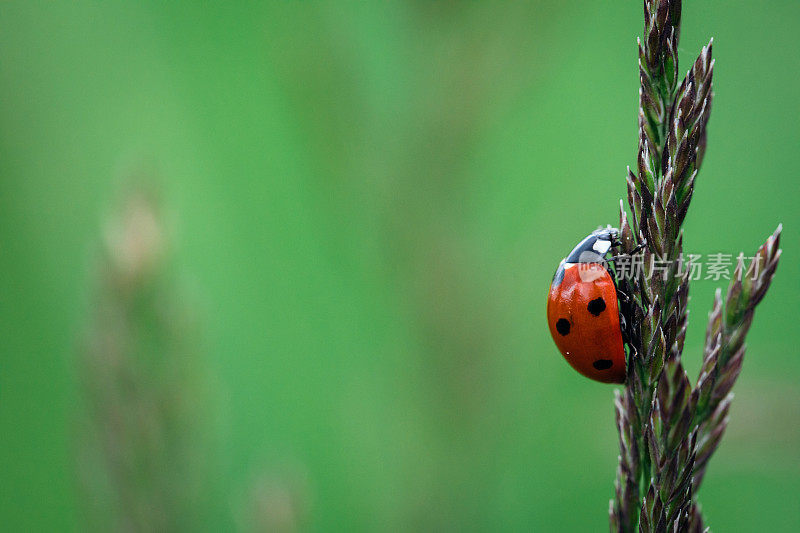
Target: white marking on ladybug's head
<point>601,246</point>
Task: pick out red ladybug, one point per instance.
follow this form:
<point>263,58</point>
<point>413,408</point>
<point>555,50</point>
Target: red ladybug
<point>583,312</point>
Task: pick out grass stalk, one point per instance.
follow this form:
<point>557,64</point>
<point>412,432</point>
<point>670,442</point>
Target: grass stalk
<point>668,429</point>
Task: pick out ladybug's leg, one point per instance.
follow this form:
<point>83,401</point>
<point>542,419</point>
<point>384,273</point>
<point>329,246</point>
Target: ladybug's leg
<point>638,248</point>
<point>626,318</point>
<point>623,295</point>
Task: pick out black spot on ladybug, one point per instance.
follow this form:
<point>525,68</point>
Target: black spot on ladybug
<point>602,364</point>
<point>562,326</point>
<point>597,306</point>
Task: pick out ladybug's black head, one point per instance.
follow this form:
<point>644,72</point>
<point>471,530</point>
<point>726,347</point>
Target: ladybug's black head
<point>594,247</point>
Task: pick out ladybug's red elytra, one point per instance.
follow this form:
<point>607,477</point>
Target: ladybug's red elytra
<point>583,311</point>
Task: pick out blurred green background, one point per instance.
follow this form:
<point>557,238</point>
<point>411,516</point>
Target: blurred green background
<point>369,201</point>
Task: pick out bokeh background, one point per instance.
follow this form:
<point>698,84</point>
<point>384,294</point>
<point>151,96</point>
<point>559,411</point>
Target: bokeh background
<point>365,204</point>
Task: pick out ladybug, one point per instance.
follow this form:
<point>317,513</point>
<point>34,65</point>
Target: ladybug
<point>583,310</point>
